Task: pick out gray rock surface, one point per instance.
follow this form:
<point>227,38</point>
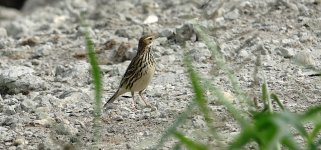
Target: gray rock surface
<point>47,93</point>
<point>17,79</point>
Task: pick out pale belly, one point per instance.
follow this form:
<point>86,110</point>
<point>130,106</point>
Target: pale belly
<point>143,82</point>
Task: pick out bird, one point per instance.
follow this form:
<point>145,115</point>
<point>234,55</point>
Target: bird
<point>139,72</point>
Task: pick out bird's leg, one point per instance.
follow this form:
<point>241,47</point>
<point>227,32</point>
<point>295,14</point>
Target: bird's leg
<point>133,96</point>
<point>141,96</point>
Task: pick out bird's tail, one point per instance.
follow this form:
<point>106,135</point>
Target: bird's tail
<point>113,98</point>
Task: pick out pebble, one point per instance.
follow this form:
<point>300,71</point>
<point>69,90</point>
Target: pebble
<point>146,110</point>
<point>244,54</point>
<point>122,33</point>
<point>42,51</point>
<point>28,105</point>
<point>20,141</point>
<point>67,89</point>
<point>2,44</point>
<point>166,33</point>
<point>118,118</point>
<point>185,33</point>
<point>20,79</point>
<point>286,52</point>
<point>151,19</point>
<point>15,29</point>
<point>10,110</point>
<point>232,15</point>
<point>305,58</point>
<point>3,33</point>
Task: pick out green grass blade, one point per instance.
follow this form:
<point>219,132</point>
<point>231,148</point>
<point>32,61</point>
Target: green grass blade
<point>293,120</point>
<point>177,146</point>
<point>190,144</point>
<point>318,142</point>
<point>222,99</point>
<point>95,74</point>
<point>276,98</point>
<point>290,143</point>
<point>97,81</point>
<point>266,98</point>
<point>316,130</point>
<point>199,93</point>
<point>172,129</point>
<point>218,57</point>
<point>243,138</point>
<point>311,113</point>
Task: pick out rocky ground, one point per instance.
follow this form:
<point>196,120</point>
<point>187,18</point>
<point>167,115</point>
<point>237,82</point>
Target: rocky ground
<point>46,91</point>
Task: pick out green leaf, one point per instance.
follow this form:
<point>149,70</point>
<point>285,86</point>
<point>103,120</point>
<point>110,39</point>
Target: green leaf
<point>172,129</point>
<point>276,98</point>
<point>95,72</point>
<point>177,146</point>
<point>316,130</point>
<point>190,144</point>
<point>311,113</point>
<point>290,143</point>
<point>244,137</point>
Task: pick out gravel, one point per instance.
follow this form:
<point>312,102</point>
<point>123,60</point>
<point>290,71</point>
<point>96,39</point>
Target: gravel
<point>47,93</point>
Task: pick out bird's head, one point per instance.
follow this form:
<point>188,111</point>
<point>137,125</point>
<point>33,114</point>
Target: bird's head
<point>146,41</point>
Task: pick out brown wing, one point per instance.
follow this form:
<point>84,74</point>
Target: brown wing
<point>132,74</point>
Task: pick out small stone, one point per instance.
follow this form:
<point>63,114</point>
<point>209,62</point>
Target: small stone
<point>305,37</point>
<point>286,52</point>
<point>158,90</point>
<point>151,19</point>
<point>246,4</point>
<point>185,33</point>
<point>128,146</point>
<point>20,79</point>
<point>232,14</point>
<point>146,133</point>
<point>244,54</point>
<point>15,29</point>
<point>155,114</point>
<point>146,110</point>
<point>264,49</point>
<point>9,110</point>
<point>3,33</point>
<point>42,112</point>
<point>79,73</point>
<point>286,42</point>
<point>163,115</point>
<point>166,33</point>
<point>2,44</point>
<point>44,122</point>
<point>169,58</point>
<point>122,33</point>
<point>110,44</point>
<point>305,59</point>
<point>198,122</point>
<point>30,41</point>
<point>293,7</point>
<point>9,121</point>
<point>200,52</point>
<point>219,20</point>
<point>28,105</point>
<point>131,116</point>
<point>121,54</point>
<point>20,141</point>
<point>42,51</point>
<point>153,108</point>
<point>118,118</point>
